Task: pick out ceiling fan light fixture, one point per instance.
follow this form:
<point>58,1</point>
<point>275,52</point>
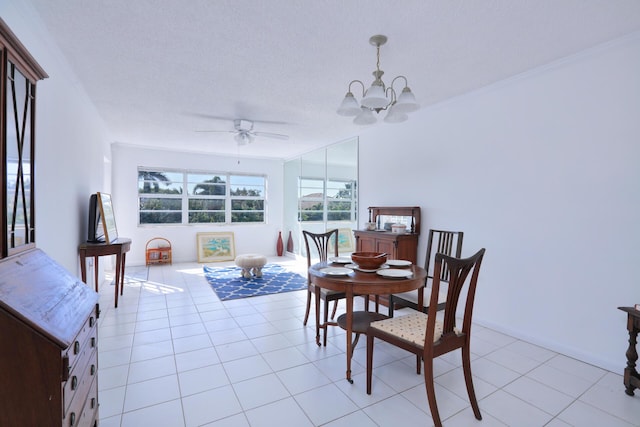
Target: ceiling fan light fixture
<point>243,138</point>
<point>379,96</point>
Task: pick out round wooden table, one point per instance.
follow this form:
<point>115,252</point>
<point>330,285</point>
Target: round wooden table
<point>361,283</point>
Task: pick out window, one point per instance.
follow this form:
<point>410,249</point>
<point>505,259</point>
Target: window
<point>210,197</point>
<point>330,200</point>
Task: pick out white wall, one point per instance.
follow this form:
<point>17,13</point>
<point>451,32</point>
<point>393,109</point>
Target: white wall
<point>71,143</point>
<point>260,238</point>
<point>544,171</point>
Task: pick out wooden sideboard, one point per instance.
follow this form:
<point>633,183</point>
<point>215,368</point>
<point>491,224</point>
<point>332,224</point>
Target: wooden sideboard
<point>395,245</point>
<point>49,357</point>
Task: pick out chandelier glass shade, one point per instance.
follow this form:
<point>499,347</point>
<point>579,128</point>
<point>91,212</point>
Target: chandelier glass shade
<point>379,97</point>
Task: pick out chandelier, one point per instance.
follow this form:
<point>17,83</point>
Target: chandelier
<point>379,97</point>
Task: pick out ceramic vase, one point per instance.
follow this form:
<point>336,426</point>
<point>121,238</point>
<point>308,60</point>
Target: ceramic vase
<point>290,243</point>
<point>279,244</point>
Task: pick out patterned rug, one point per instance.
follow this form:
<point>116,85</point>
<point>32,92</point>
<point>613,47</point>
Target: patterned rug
<point>228,283</point>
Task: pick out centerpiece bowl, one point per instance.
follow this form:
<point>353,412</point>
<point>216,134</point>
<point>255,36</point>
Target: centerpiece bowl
<point>369,260</point>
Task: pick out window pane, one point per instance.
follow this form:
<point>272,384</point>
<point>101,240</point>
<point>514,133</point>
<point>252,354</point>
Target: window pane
<point>206,217</point>
<point>156,182</point>
<point>206,204</point>
<point>247,216</point>
<point>247,205</point>
<point>247,186</point>
<point>206,184</point>
<point>311,188</point>
<point>160,217</point>
<point>159,204</point>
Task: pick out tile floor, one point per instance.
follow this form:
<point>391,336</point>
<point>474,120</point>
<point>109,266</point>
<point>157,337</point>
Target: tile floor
<point>172,354</point>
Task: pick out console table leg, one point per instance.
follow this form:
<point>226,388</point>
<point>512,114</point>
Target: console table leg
<point>632,356</point>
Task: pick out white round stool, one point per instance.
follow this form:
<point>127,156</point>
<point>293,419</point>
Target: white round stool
<point>251,264</point>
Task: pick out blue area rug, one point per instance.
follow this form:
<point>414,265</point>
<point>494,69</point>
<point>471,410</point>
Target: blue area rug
<point>228,283</point>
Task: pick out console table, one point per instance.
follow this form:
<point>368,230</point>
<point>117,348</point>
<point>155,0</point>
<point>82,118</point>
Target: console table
<point>631,376</point>
<point>118,247</point>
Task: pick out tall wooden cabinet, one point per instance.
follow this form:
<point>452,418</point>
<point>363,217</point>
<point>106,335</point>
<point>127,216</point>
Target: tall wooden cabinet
<point>48,355</point>
<point>395,245</point>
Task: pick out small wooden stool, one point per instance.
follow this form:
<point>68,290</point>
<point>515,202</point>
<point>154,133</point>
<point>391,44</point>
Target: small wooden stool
<point>251,264</point>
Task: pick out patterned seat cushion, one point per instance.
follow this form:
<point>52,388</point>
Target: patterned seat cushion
<point>410,327</point>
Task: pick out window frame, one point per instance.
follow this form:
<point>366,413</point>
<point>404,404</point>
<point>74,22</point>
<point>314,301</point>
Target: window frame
<point>327,200</point>
<point>186,195</point>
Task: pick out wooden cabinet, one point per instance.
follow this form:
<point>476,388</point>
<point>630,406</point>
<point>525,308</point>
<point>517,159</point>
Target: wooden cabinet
<point>48,356</point>
<point>396,246</point>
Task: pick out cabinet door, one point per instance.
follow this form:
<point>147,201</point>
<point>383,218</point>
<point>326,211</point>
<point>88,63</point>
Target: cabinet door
<point>386,246</point>
<point>366,244</point>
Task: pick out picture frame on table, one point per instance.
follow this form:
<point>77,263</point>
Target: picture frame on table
<point>214,247</point>
<point>108,217</point>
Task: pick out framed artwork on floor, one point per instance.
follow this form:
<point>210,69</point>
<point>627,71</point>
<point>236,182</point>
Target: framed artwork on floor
<point>345,240</point>
<point>213,247</point>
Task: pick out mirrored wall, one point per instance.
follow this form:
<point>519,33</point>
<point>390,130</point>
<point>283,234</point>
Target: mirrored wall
<point>321,193</point>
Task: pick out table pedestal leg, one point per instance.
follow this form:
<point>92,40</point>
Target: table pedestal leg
<point>317,301</point>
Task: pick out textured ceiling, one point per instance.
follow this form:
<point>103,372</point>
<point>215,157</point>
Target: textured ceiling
<point>160,70</point>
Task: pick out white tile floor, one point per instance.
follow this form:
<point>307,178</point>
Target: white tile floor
<point>172,354</point>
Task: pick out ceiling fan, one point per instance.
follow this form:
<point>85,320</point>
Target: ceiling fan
<point>244,133</point>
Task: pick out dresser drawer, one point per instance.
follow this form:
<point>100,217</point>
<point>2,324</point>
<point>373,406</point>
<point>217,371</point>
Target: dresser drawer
<point>86,337</point>
<point>75,389</point>
<point>84,413</point>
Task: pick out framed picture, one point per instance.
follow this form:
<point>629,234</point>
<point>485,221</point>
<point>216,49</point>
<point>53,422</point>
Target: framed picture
<point>108,217</point>
<point>214,247</point>
<point>345,240</point>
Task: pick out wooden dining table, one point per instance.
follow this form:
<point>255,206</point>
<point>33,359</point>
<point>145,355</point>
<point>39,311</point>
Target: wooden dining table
<point>357,282</point>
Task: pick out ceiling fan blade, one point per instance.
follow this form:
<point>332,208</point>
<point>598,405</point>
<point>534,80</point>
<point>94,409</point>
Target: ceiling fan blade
<point>216,131</point>
<point>232,118</point>
<point>272,135</point>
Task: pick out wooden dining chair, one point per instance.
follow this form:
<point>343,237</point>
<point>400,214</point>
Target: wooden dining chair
<point>320,244</point>
<point>439,241</point>
<point>431,335</point>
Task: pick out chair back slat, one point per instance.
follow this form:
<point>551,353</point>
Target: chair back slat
<point>443,242</point>
<point>458,272</point>
<point>322,243</point>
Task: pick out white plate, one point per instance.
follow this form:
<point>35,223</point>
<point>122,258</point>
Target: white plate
<point>357,267</point>
<point>335,271</point>
<point>395,273</point>
<point>340,259</point>
<point>398,263</point>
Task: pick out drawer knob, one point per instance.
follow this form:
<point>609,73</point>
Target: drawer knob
<point>92,321</point>
<point>93,369</point>
<point>93,341</point>
<point>93,402</point>
<point>74,382</point>
<point>72,419</point>
<point>76,347</point>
